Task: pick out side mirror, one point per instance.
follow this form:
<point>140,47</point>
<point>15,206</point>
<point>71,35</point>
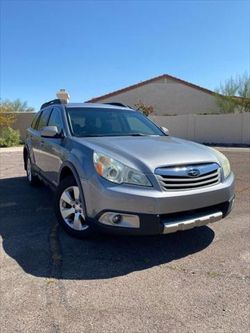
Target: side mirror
<point>165,130</point>
<point>50,132</point>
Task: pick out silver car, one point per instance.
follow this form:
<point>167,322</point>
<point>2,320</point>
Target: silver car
<point>114,170</point>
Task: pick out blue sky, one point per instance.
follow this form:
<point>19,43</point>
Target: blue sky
<point>94,47</point>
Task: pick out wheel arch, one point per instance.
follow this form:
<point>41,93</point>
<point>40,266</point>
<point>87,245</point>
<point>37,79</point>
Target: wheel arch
<point>68,169</point>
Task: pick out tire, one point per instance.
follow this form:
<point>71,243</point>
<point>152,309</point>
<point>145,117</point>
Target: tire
<point>70,211</point>
<point>31,176</point>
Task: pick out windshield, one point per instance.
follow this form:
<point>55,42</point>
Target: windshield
<point>85,122</point>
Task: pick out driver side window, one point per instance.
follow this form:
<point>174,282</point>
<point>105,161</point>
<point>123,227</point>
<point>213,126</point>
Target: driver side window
<point>42,122</point>
<point>56,119</point>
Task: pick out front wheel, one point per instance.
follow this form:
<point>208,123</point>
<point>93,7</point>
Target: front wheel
<point>70,209</point>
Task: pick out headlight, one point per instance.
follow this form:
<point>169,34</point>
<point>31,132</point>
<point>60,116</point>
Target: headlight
<point>223,162</point>
<point>117,172</point>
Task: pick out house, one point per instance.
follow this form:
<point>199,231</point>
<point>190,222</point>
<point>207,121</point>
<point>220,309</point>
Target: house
<point>167,94</point>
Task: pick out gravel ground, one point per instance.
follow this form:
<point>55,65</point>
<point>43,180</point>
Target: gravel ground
<point>193,281</point>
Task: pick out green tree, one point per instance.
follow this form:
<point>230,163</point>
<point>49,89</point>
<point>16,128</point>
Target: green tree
<point>234,94</point>
<point>15,106</point>
<point>7,108</point>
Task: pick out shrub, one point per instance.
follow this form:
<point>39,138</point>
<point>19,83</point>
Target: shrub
<point>9,137</point>
<point>146,109</point>
<point>6,119</point>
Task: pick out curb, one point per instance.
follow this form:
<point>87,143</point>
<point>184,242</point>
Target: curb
<point>11,149</point>
<point>236,149</point>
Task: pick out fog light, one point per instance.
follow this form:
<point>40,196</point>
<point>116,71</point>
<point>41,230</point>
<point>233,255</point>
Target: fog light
<point>116,218</point>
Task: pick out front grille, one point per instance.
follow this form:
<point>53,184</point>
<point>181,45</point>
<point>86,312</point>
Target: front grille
<point>186,177</point>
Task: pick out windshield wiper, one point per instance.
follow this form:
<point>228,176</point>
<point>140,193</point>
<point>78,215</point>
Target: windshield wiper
<point>138,134</point>
<point>110,134</point>
<point>89,135</point>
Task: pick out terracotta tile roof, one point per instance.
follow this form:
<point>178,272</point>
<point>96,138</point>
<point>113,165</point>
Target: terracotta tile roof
<point>143,83</point>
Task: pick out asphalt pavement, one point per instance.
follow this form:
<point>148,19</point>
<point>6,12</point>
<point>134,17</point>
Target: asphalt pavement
<point>192,281</point>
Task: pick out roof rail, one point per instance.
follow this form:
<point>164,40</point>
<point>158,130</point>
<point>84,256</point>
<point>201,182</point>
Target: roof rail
<point>54,101</point>
<point>118,104</point>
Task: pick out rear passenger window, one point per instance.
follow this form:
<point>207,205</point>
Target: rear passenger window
<point>43,119</point>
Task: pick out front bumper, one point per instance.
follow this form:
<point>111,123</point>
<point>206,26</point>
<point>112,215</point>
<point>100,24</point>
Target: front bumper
<point>159,212</point>
<point>168,223</point>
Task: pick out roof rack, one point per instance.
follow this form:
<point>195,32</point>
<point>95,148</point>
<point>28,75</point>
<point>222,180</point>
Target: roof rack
<point>118,104</point>
<point>54,101</point>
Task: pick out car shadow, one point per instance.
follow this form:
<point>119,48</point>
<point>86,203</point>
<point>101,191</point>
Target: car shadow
<point>31,236</point>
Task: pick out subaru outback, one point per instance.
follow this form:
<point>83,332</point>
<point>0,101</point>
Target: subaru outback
<point>115,170</point>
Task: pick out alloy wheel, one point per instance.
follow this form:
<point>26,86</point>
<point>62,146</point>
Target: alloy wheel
<point>71,209</point>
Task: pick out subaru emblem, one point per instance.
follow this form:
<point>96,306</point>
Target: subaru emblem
<point>193,172</point>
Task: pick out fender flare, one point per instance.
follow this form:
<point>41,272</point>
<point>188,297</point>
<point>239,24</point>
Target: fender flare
<point>77,179</point>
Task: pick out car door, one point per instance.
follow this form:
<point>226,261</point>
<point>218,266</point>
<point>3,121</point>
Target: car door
<point>53,148</point>
<point>32,136</point>
<point>37,140</point>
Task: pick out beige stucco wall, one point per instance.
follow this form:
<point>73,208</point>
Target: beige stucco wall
<point>224,128</point>
<point>168,97</point>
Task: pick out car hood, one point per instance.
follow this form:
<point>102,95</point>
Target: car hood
<point>151,151</point>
